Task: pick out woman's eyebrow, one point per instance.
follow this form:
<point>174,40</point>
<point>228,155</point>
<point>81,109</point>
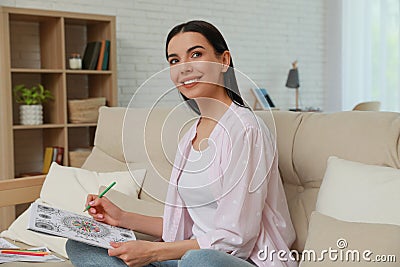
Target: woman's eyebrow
<point>172,55</point>
<point>187,51</point>
<point>194,47</point>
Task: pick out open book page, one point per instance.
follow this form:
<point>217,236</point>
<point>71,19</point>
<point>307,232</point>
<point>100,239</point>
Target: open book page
<point>53,221</point>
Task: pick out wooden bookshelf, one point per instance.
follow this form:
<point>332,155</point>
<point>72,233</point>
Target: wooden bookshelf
<point>41,126</point>
<point>97,72</point>
<point>24,70</point>
<point>34,49</point>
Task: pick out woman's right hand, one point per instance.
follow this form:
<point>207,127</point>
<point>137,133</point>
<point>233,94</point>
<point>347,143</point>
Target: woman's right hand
<point>103,210</point>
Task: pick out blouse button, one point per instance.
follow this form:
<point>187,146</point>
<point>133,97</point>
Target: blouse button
<point>300,189</point>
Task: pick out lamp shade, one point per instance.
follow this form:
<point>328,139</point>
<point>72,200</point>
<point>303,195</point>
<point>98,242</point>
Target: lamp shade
<point>293,79</point>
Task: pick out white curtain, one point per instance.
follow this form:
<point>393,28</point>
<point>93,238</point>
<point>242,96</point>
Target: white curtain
<point>371,53</point>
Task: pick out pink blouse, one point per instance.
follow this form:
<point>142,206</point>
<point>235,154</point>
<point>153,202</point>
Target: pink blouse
<point>252,213</point>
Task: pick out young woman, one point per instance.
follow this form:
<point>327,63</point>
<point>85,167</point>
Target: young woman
<point>225,201</point>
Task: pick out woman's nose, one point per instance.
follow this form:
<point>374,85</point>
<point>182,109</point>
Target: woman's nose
<point>186,67</point>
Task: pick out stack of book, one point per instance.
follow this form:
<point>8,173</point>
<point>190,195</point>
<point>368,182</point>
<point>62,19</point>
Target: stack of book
<point>96,55</point>
<point>52,154</point>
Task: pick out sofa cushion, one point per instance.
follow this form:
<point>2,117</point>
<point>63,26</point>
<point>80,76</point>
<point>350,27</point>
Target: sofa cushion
<point>367,137</point>
<point>285,124</point>
<point>326,233</point>
<point>357,192</point>
<point>100,161</point>
<point>306,140</point>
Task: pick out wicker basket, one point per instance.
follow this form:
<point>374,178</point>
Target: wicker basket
<point>85,110</point>
<point>78,157</point>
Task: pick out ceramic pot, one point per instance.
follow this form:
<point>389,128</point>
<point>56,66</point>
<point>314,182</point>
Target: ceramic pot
<point>31,114</point>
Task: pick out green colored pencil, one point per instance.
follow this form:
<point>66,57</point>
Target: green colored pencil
<point>102,194</point>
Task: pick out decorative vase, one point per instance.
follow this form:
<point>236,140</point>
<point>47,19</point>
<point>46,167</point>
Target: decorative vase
<point>31,114</point>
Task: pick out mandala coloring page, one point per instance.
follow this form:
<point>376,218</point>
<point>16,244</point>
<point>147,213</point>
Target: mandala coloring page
<point>63,223</point>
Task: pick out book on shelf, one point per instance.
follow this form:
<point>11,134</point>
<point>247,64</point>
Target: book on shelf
<point>60,155</point>
<point>91,55</point>
<point>101,55</point>
<point>48,158</point>
<point>106,55</point>
<point>96,55</point>
<point>52,154</point>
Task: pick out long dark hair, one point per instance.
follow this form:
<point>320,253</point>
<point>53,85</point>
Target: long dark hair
<point>216,39</point>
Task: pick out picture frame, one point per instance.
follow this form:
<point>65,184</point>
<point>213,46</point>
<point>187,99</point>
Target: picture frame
<point>262,99</point>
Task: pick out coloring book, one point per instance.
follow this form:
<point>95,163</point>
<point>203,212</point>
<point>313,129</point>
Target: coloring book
<point>49,220</point>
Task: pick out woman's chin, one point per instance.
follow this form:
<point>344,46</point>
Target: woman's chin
<point>192,92</point>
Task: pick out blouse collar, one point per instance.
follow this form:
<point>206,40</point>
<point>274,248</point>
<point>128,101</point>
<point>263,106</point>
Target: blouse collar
<point>220,123</point>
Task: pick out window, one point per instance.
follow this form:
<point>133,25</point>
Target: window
<point>371,53</point>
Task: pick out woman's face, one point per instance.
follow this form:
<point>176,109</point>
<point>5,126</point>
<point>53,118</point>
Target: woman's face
<point>195,69</point>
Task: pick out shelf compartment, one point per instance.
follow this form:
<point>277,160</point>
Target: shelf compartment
<point>81,137</point>
<point>80,143</point>
<point>29,146</point>
<point>35,41</point>
<point>81,86</point>
<point>53,110</point>
<point>78,32</point>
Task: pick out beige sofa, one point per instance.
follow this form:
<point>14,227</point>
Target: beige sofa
<point>304,141</point>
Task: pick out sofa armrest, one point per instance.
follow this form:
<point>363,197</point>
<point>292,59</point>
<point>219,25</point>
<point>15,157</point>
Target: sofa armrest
<point>20,190</point>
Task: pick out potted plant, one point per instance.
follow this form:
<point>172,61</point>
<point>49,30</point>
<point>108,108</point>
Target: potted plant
<point>31,110</point>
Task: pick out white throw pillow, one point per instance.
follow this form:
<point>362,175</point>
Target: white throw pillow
<point>67,188</point>
<point>356,192</point>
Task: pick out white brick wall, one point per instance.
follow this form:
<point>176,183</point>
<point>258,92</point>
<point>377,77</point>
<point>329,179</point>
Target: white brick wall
<point>264,38</point>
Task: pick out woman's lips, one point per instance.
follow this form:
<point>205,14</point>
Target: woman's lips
<point>190,83</point>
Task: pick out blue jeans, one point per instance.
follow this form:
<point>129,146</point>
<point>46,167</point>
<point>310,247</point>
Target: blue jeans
<point>84,255</point>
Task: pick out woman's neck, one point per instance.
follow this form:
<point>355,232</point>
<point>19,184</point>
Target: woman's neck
<point>213,108</point>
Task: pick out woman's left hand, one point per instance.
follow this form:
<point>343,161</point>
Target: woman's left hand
<point>134,253</point>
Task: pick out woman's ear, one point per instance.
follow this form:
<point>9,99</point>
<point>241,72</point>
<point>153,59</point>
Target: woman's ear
<point>226,60</point>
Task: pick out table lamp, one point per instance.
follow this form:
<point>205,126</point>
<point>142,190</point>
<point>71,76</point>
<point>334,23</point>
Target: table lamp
<point>293,82</point>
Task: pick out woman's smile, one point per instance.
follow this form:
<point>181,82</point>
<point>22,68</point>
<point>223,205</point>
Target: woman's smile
<point>190,82</point>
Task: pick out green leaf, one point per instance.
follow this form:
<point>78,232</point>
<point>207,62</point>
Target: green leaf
<point>31,96</point>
